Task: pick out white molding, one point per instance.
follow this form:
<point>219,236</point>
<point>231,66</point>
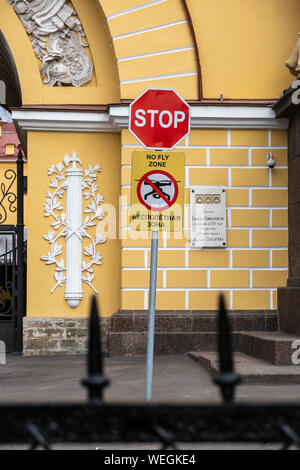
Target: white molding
<point>117,118</point>
<point>64,121</point>
<point>229,117</point>
<point>149,30</point>
<point>158,77</point>
<point>236,117</point>
<point>153,54</point>
<point>134,9</point>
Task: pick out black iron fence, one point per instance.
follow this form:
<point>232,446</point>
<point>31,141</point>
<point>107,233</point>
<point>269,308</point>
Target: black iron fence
<point>8,272</point>
<point>98,422</point>
<point>12,257</point>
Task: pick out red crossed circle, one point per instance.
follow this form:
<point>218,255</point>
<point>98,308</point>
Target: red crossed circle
<point>157,190</point>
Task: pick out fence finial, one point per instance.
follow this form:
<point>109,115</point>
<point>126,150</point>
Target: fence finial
<point>95,382</point>
<point>226,379</point>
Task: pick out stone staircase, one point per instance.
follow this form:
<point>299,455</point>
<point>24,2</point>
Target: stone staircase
<point>260,358</point>
<point>263,355</point>
<point>180,332</point>
<point>270,346</point>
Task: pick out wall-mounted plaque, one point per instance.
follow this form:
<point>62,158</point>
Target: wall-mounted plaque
<point>207,217</point>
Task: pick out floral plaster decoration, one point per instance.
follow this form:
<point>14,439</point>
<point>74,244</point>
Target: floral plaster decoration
<point>69,179</point>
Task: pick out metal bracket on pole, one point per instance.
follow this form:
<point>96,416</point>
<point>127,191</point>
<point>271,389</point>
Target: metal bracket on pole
<point>151,317</point>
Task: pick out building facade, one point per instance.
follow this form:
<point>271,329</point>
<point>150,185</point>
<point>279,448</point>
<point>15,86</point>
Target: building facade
<point>9,141</point>
<point>71,70</point>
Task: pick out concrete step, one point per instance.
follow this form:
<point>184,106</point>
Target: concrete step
<point>135,343</point>
<point>270,346</point>
<point>251,369</point>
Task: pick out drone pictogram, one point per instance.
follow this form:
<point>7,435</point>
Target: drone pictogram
<point>158,184</point>
<point>163,193</point>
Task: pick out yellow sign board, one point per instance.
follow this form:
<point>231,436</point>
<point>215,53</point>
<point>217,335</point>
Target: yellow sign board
<point>157,186</point>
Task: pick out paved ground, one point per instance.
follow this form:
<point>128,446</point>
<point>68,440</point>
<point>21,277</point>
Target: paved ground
<point>176,379</point>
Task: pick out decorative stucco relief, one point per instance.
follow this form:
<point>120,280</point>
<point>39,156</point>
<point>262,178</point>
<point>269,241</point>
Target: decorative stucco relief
<point>58,40</point>
<point>81,248</point>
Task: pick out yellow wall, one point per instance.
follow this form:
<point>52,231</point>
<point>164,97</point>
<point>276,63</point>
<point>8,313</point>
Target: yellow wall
<point>136,44</point>
<point>92,149</point>
<point>153,45</point>
<point>243,45</point>
<point>254,263</point>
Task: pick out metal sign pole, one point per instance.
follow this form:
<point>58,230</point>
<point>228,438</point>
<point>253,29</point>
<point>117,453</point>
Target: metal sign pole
<point>151,316</point>
<point>157,103</point>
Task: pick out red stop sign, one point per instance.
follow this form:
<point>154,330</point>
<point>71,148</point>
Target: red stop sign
<point>159,118</point>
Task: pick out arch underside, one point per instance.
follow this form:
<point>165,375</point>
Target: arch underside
<point>154,46</point>
<point>159,44</point>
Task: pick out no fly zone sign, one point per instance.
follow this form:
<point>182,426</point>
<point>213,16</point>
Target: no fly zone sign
<point>157,191</point>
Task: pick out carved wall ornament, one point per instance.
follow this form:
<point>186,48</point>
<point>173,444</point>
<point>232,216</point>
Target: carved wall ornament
<point>293,63</point>
<point>72,181</point>
<point>58,40</point>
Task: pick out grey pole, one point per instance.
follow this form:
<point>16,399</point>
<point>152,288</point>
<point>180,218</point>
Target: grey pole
<point>151,315</point>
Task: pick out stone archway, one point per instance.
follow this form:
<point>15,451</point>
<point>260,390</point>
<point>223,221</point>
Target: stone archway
<point>146,56</point>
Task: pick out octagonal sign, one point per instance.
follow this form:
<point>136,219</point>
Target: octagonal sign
<point>159,118</point>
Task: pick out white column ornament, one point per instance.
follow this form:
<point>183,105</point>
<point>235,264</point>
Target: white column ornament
<point>79,243</point>
<point>73,293</point>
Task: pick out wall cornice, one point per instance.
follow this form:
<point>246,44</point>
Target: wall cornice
<point>116,117</point>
